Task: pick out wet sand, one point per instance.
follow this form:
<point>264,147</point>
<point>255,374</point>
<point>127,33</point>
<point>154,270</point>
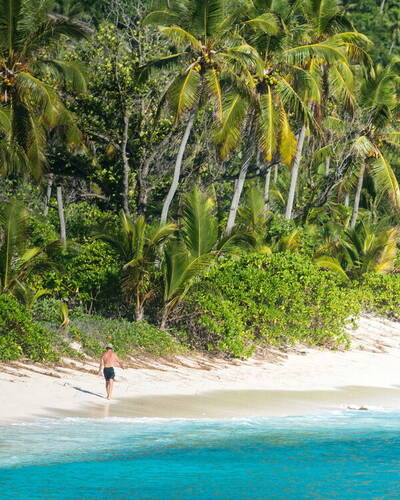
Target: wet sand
<point>242,404</point>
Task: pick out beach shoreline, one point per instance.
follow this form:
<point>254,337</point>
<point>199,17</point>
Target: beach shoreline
<point>301,380</point>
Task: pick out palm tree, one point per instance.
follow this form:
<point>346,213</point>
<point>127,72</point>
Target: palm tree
<point>282,91</point>
<point>378,113</point>
<point>253,218</point>
<point>17,262</point>
<point>139,246</point>
<point>328,33</point>
<point>366,248</point>
<point>29,105</point>
<point>198,244</point>
<point>209,47</point>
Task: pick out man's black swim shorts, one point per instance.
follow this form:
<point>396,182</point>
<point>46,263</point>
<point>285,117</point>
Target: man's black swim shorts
<point>109,373</point>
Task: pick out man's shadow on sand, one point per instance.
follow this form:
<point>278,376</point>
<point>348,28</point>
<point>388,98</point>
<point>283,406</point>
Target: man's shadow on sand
<point>88,392</point>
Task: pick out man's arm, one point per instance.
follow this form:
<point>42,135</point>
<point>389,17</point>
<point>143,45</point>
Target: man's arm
<point>101,365</point>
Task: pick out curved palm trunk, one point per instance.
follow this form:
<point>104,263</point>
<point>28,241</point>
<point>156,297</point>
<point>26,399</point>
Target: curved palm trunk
<point>237,193</point>
<point>177,170</point>
<point>61,217</point>
<point>295,173</point>
<point>125,161</point>
<point>356,206</point>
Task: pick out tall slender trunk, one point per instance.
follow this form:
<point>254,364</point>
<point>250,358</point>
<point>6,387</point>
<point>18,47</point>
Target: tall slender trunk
<point>177,171</point>
<point>61,217</point>
<point>347,199</point>
<point>125,162</point>
<point>391,47</point>
<point>356,206</point>
<point>327,166</point>
<point>266,188</point>
<point>237,192</point>
<point>48,194</point>
<point>142,191</point>
<point>275,174</point>
<point>382,7</point>
<point>295,173</point>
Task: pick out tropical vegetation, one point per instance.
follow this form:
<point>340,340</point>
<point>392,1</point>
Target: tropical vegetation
<point>196,174</point>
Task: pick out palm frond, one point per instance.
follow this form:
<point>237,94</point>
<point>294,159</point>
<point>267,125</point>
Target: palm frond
<point>386,179</point>
<point>228,135</point>
<point>184,92</point>
<point>208,16</point>
<point>331,264</point>
<point>199,225</point>
<point>268,125</point>
<point>70,74</point>
<point>267,23</point>
<point>288,142</point>
<point>214,87</point>
<point>181,37</point>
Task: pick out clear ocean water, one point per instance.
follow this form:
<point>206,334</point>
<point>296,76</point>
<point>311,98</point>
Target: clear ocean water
<point>345,455</point>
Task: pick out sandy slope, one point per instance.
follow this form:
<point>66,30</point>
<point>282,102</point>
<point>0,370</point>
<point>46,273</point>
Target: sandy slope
<point>374,361</point>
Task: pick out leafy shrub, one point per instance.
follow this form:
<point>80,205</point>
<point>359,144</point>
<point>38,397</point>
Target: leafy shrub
<point>41,232</point>
<point>94,332</point>
<point>20,335</point>
<point>85,219</point>
<point>47,310</point>
<point>89,276</point>
<point>279,299</point>
<point>381,294</point>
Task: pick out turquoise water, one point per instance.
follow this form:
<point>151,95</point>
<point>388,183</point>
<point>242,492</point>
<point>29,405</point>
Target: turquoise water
<point>348,455</point>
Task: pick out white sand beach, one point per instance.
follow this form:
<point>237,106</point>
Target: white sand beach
<point>301,380</point>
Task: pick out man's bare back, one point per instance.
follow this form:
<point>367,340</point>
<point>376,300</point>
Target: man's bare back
<point>110,359</point>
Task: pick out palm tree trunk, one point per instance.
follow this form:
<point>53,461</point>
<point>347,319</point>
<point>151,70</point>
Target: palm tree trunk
<point>356,206</point>
<point>266,188</point>
<point>125,162</point>
<point>139,312</point>
<point>327,166</point>
<point>382,7</point>
<point>177,170</point>
<point>48,194</point>
<point>275,174</point>
<point>295,173</point>
<point>237,192</point>
<point>61,217</point>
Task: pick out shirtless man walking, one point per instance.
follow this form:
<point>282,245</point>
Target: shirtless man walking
<point>107,362</point>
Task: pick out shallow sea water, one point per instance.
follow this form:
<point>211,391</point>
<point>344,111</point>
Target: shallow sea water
<point>344,455</point>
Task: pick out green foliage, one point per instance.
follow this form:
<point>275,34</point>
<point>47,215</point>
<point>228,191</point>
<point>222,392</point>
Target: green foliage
<point>381,294</point>
<point>88,275</point>
<point>40,231</point>
<point>21,336</point>
<point>86,219</point>
<point>94,332</point>
<point>29,105</point>
<point>282,298</point>
<point>17,260</point>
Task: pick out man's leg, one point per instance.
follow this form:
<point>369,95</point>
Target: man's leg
<point>110,387</point>
<point>107,388</point>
